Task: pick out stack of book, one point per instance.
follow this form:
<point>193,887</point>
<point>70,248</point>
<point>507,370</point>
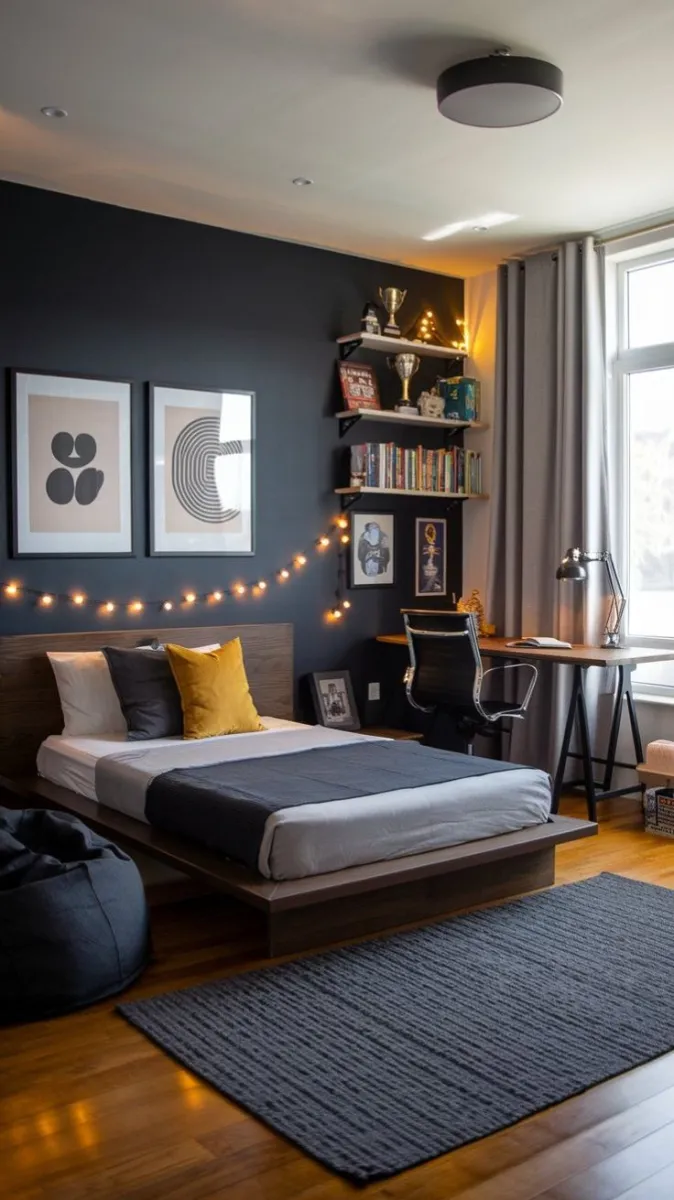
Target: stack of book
<point>385,465</point>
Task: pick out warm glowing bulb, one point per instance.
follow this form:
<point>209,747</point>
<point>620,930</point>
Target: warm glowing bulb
<point>300,560</point>
<point>345,539</point>
<point>12,589</point>
<point>167,605</point>
<point>262,585</point>
<point>46,601</point>
<point>346,604</point>
<point>342,523</point>
<point>323,542</point>
<point>284,574</point>
<point>459,322</point>
<point>136,606</point>
<point>217,596</point>
<point>108,607</point>
<point>79,599</point>
<point>240,589</point>
<point>429,312</point>
<point>190,597</point>
<point>337,614</point>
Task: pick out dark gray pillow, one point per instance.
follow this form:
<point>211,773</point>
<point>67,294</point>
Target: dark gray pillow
<point>148,693</point>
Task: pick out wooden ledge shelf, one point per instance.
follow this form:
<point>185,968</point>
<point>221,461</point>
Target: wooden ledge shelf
<point>377,341</point>
<point>349,495</point>
<point>350,417</point>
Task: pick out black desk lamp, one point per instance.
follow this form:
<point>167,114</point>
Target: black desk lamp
<point>571,567</point>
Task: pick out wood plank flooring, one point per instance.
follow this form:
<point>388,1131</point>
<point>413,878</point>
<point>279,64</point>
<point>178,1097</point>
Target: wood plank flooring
<point>89,1108</point>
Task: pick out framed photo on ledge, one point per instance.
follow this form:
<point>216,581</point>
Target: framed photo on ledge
<point>372,550</point>
<point>71,465</point>
<point>333,700</point>
<point>201,471</point>
<point>430,567</point>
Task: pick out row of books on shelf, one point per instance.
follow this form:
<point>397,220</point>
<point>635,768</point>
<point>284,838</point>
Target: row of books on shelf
<point>385,465</point>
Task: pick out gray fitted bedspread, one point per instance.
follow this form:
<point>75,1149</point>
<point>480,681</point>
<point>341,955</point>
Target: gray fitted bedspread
<point>226,805</point>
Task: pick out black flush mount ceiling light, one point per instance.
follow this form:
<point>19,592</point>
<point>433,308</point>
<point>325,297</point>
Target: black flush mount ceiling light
<point>500,91</point>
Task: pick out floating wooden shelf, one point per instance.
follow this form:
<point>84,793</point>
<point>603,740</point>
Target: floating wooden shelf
<point>349,495</point>
<point>377,341</point>
<point>349,417</point>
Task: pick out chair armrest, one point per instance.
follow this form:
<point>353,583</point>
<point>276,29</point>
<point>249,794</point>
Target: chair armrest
<point>517,667</point>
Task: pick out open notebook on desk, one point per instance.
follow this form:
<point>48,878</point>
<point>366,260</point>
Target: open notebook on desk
<point>541,643</point>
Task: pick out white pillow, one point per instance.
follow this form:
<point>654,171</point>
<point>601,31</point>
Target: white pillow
<point>197,649</point>
<point>88,699</point>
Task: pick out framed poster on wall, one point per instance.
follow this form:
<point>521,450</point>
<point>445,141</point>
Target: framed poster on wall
<point>201,470</point>
<point>71,465</point>
<point>372,550</point>
<point>430,568</point>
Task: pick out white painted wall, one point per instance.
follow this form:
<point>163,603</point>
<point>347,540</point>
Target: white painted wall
<point>480,314</point>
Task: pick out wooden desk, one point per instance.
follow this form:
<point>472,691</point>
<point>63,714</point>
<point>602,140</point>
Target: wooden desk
<point>581,658</point>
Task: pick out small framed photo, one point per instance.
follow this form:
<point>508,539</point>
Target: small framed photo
<point>333,700</point>
<point>430,570</point>
<point>359,385</point>
<point>71,465</point>
<point>372,550</point>
<point>201,471</point>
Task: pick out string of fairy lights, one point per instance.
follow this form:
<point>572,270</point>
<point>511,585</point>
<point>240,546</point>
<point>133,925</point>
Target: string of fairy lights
<point>14,591</point>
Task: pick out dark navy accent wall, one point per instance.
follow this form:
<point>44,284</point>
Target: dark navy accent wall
<point>88,288</point>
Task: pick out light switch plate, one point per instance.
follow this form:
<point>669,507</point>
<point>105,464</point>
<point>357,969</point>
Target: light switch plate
<point>373,691</point>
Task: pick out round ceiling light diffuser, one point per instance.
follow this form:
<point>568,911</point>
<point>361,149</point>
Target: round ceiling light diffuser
<point>500,91</point>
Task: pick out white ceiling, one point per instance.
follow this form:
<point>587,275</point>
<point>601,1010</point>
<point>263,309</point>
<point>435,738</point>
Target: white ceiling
<point>206,109</point>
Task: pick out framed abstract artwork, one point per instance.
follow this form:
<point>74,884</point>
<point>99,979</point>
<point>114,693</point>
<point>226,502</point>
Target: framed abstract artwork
<point>71,465</point>
<point>201,471</point>
<point>430,568</point>
<point>372,550</point>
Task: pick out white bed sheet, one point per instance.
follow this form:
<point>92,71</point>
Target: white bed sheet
<point>315,838</point>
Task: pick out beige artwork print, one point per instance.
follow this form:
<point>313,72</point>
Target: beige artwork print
<point>66,419</point>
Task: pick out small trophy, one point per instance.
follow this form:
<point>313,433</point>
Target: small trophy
<point>406,365</point>
<point>392,298</point>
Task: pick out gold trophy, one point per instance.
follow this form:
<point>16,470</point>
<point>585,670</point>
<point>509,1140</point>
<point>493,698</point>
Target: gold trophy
<point>406,365</point>
<point>392,298</point>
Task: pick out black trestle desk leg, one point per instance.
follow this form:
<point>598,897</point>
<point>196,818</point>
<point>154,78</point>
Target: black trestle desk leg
<point>566,740</point>
<point>586,750</point>
<point>615,730</point>
<point>634,720</point>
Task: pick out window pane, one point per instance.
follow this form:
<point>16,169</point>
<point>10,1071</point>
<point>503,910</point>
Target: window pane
<point>650,305</point>
<point>651,503</point>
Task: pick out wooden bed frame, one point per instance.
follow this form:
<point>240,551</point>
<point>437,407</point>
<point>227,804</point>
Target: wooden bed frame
<point>300,914</point>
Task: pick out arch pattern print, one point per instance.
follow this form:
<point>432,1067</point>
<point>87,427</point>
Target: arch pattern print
<point>195,453</point>
<point>202,451</point>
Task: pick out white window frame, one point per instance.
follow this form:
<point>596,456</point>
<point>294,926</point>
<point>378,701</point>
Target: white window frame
<point>622,257</point>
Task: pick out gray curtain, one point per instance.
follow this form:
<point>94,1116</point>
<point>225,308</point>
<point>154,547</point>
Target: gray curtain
<point>549,478</point>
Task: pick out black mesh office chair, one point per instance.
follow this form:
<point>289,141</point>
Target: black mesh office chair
<point>446,675</point>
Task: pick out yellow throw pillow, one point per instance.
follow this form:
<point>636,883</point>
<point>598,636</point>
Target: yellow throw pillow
<point>214,691</point>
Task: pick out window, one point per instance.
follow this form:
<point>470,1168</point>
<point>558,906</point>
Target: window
<point>643,461</point>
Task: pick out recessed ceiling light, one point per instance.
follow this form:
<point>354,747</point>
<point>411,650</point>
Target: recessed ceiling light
<point>478,224</point>
<point>302,181</point>
<point>500,91</point>
<point>53,110</point>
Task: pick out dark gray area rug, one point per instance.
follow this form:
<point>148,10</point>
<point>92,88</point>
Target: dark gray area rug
<point>382,1055</point>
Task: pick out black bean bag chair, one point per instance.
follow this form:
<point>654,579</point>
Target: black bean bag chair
<point>73,918</point>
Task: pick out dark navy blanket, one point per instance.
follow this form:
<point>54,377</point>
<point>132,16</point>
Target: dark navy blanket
<point>226,805</point>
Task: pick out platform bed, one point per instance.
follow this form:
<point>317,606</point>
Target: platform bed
<point>299,914</point>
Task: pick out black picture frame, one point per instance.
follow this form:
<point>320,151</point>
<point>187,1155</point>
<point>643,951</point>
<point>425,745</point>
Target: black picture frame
<point>152,388</point>
<point>321,685</point>
<point>359,576</point>
<point>15,373</point>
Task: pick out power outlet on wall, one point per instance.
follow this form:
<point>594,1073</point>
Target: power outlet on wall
<point>373,691</point>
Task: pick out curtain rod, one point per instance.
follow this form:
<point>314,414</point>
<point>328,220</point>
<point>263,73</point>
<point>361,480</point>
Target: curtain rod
<point>628,233</point>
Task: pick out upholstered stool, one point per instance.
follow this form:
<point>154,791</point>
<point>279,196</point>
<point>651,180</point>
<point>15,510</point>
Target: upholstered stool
<point>73,918</point>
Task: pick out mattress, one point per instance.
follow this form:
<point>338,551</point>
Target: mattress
<point>314,839</point>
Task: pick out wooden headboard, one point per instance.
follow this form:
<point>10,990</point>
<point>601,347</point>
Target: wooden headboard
<point>29,702</point>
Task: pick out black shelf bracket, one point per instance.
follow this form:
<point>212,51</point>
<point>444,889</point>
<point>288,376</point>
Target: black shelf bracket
<point>347,423</point>
<point>346,349</point>
<point>348,501</point>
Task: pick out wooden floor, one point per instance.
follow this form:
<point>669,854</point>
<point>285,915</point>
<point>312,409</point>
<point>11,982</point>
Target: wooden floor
<point>89,1108</point>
